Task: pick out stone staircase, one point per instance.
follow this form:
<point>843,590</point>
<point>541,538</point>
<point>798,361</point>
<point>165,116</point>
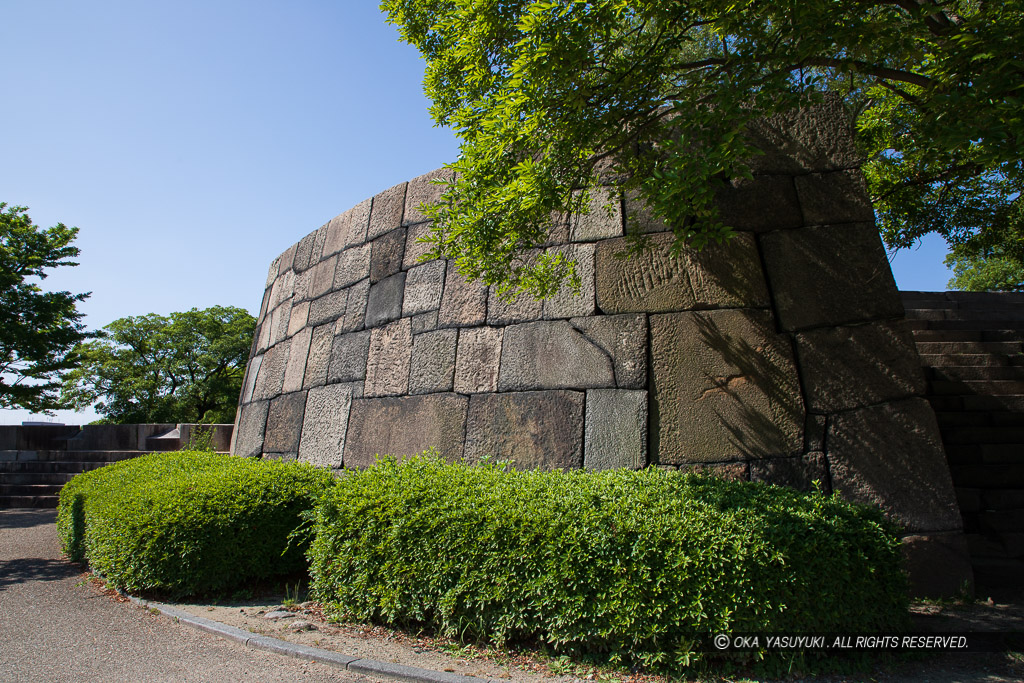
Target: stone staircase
<point>972,348</point>
<point>37,460</point>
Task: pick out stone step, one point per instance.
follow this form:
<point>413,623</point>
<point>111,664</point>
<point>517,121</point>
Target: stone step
<point>36,478</point>
<point>977,387</point>
<point>69,456</point>
<point>976,372</point>
<point>1012,329</point>
<point>49,466</point>
<point>30,489</point>
<point>940,360</point>
<point>8,502</point>
<point>1004,347</point>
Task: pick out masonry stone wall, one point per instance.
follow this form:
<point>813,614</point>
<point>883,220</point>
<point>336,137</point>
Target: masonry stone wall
<point>780,356</point>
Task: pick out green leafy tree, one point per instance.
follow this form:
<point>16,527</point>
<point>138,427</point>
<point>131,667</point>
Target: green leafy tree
<point>38,330</point>
<point>185,367</point>
<point>548,96</point>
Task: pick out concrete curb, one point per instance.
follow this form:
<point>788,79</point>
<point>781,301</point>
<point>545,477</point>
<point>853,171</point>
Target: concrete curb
<point>369,667</point>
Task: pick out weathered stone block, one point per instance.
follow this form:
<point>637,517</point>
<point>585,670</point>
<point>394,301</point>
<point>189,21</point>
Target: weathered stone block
<point>424,190</point>
<point>938,565</point>
<point>603,219</point>
<point>423,287</point>
<point>797,472</point>
<point>433,361</point>
<point>639,218</point>
<point>353,266</point>
<point>852,367</point>
<point>891,455</point>
<point>279,320</point>
<point>730,471</point>
<point>355,309</point>
<point>324,425</point>
<point>287,258</point>
<point>616,429</point>
<point>766,202</point>
<point>566,303</point>
<point>348,229</point>
<point>386,212</point>
<point>387,364</point>
<point>323,277</point>
<point>624,339</point>
<point>478,360</point>
<point>521,309</point>
<point>813,139</point>
<point>829,275</point>
<point>282,289</point>
<point>384,301</point>
<point>319,357</point>
<point>814,433</point>
<point>271,376</point>
<point>552,355</point>
<point>318,245</point>
<point>424,322</point>
<point>725,388</point>
<point>531,429</point>
<point>252,424</point>
<point>252,371</point>
<point>348,357</point>
<point>415,249</point>
<point>284,423</point>
<point>719,276</point>
<point>328,308</point>
<point>298,318</point>
<point>405,426</point>
<point>304,253</point>
<point>836,197</point>
<point>462,303</point>
<point>297,354</point>
<point>303,285</point>
<point>274,271</point>
<point>386,255</point>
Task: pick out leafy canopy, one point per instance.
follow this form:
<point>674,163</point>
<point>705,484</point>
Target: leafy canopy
<point>185,367</point>
<point>548,96</point>
<point>38,330</point>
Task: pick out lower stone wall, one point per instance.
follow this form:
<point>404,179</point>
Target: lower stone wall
<point>780,356</point>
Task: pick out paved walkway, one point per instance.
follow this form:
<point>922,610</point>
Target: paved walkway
<point>55,628</point>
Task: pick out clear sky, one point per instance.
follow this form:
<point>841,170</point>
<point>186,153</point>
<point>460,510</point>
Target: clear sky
<point>192,142</point>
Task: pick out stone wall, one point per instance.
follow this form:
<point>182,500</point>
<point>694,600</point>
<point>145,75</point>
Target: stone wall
<point>781,356</point>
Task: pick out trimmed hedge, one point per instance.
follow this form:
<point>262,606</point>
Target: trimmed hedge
<point>629,565</point>
<point>188,522</point>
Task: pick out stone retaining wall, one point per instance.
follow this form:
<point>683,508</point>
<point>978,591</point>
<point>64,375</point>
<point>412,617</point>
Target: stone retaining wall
<point>781,356</point>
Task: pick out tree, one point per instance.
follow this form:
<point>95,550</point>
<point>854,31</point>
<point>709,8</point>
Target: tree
<point>548,96</point>
<point>185,367</point>
<point>38,330</point>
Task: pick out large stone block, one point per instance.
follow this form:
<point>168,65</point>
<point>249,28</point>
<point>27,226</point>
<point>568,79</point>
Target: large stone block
<point>425,189</point>
<point>386,212</point>
<point>324,425</point>
<point>353,266</point>
<point>387,363</point>
<point>552,355</point>
<point>319,358</point>
<point>891,455</point>
<point>813,139</point>
<point>355,309</point>
<point>297,354</point>
<point>348,357</point>
<point>275,270</point>
<point>304,253</point>
<point>386,254</point>
<point>478,359</point>
<point>252,425</point>
<point>765,202</point>
<point>602,220</point>
<point>639,218</point>
<point>616,429</point>
<point>520,309</point>
<point>423,287</point>
<point>284,423</point>
<point>279,321</point>
<point>323,277</point>
<point>938,565</point>
<point>384,301</point>
<point>829,275</point>
<point>798,472</point>
<point>287,258</point>
<point>624,339</point>
<point>299,317</point>
<point>463,303</point>
<point>282,289</point>
<point>405,426</point>
<point>719,276</point>
<point>852,367</point>
<point>725,388</point>
<point>567,303</point>
<point>836,197</point>
<point>252,371</point>
<point>415,247</point>
<point>531,429</point>
<point>433,361</point>
<point>271,375</point>
<point>328,308</point>
<point>348,229</point>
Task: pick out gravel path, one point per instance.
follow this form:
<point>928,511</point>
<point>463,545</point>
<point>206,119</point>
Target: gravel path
<point>54,627</point>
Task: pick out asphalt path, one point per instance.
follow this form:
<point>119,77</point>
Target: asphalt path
<point>54,626</point>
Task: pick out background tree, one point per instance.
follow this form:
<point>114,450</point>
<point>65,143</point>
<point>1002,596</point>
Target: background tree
<point>548,95</point>
<point>38,330</point>
<point>185,367</point>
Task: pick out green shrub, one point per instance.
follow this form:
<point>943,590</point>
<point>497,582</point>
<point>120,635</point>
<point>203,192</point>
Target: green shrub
<point>188,522</point>
<point>628,565</point>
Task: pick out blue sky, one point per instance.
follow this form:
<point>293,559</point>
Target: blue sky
<point>192,142</point>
